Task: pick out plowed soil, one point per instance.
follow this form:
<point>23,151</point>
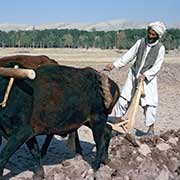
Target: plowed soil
<point>155,158</point>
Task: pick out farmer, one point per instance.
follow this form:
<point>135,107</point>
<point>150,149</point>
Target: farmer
<point>147,55</point>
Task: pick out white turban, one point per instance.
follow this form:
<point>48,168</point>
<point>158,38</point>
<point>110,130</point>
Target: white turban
<point>159,27</point>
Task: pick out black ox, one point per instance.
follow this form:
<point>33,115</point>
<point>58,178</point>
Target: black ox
<point>27,61</point>
<point>58,101</point>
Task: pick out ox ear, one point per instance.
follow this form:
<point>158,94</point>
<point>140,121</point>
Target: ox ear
<point>17,73</point>
<point>106,90</point>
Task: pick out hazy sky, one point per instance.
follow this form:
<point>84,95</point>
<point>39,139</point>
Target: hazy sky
<point>50,11</point>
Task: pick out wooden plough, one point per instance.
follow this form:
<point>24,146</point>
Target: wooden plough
<point>128,124</point>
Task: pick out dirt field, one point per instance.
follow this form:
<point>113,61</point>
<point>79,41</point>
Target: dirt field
<point>156,158</point>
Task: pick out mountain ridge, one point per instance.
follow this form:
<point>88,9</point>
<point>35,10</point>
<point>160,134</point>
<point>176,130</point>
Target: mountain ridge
<point>111,25</point>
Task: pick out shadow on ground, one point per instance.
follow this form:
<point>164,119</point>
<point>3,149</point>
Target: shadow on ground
<point>22,160</point>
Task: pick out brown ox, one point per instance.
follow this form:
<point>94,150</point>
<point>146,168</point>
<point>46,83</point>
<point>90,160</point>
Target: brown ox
<point>27,61</point>
<point>64,98</point>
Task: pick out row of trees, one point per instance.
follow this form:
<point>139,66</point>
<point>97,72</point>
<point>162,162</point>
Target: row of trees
<point>54,38</point>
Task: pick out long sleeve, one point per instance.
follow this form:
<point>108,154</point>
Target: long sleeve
<point>156,67</point>
<point>128,56</point>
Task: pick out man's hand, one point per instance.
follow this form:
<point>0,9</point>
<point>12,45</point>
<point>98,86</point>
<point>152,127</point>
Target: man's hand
<point>109,67</point>
<point>141,77</point>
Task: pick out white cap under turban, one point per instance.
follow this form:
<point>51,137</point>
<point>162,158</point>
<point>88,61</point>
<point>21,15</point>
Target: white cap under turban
<point>159,27</point>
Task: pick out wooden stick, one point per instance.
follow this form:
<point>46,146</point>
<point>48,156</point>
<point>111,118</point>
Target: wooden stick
<point>17,73</point>
<point>3,103</point>
<point>128,124</point>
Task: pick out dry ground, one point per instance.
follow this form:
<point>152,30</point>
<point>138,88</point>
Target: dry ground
<point>128,162</point>
<point>168,77</point>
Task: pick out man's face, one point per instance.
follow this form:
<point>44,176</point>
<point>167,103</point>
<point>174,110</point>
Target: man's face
<point>152,36</point>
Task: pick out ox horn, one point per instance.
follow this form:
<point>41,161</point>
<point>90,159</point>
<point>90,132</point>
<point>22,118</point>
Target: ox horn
<point>17,73</point>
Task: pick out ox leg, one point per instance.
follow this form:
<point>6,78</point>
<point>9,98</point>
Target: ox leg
<point>48,141</point>
<point>98,134</point>
<point>107,138</point>
<point>34,149</point>
<point>0,140</point>
<point>77,144</point>
<point>14,142</point>
<point>46,145</point>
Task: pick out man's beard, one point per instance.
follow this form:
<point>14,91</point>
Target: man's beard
<point>152,40</point>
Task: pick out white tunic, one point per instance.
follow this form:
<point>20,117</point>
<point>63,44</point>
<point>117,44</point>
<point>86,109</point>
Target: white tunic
<point>150,85</point>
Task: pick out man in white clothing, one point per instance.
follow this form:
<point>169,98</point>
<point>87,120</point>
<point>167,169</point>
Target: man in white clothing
<point>148,56</point>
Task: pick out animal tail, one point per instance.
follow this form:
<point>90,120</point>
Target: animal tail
<point>110,92</point>
<point>106,90</point>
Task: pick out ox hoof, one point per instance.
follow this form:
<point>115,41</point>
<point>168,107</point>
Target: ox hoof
<point>79,153</point>
<point>78,157</point>
<point>95,166</point>
<point>38,177</point>
<point>106,161</point>
<point>38,174</point>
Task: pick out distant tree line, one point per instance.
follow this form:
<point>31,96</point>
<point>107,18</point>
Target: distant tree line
<point>54,38</point>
